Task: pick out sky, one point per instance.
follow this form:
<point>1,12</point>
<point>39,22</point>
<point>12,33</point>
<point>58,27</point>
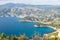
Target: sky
<point>34,2</point>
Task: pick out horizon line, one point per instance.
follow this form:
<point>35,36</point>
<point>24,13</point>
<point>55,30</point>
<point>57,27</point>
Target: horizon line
<point>28,4</point>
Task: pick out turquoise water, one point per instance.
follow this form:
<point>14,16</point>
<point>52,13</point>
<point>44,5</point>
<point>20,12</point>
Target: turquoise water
<point>10,25</point>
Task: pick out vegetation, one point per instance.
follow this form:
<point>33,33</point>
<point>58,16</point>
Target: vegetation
<point>57,26</point>
<point>24,37</point>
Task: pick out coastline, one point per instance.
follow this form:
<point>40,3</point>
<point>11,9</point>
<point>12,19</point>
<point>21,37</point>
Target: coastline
<point>38,21</point>
<point>27,21</point>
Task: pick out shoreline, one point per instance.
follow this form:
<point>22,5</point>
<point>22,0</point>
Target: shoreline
<point>47,24</point>
<point>27,21</point>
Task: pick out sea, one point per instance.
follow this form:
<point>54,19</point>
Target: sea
<point>12,26</point>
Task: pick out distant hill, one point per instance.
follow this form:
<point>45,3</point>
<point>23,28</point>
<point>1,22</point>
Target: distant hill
<point>24,5</point>
<point>6,8</point>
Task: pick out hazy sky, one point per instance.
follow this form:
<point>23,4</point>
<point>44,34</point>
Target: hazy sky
<point>35,2</point>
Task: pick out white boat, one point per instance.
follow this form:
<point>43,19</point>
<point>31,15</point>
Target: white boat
<point>35,26</point>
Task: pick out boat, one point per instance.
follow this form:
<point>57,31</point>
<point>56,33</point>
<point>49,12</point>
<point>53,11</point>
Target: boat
<point>35,26</point>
